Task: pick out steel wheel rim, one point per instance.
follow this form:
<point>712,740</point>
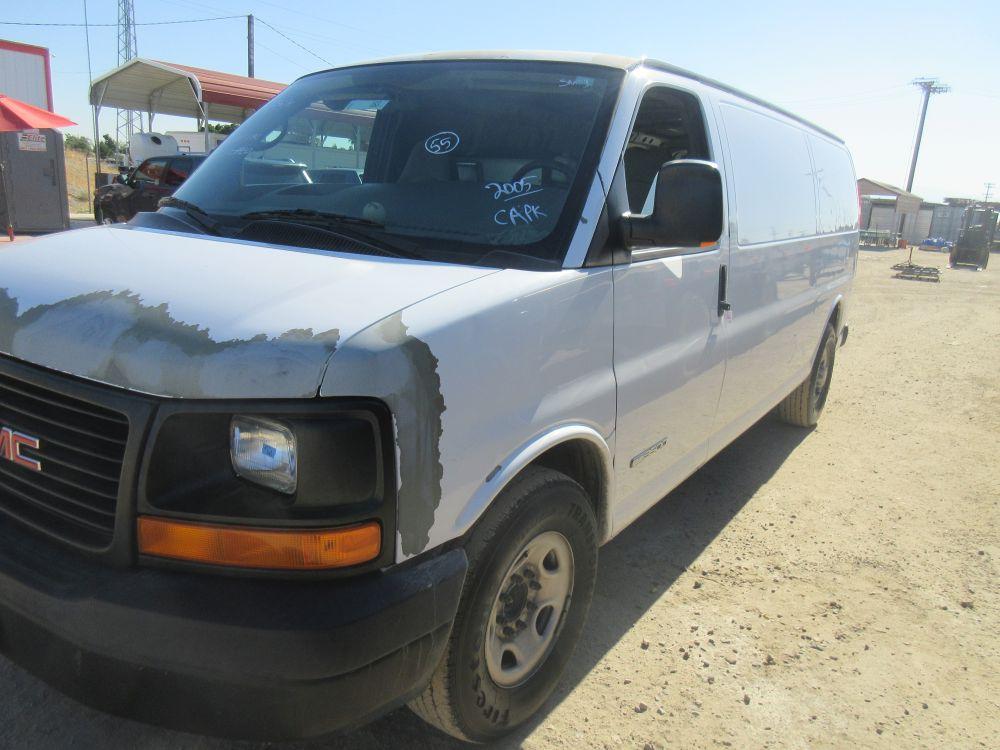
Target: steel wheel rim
<point>824,371</point>
<point>529,608</point>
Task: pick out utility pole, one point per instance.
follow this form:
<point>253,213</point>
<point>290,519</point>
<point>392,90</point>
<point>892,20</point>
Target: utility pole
<point>929,86</point>
<point>93,110</point>
<point>126,51</point>
<point>989,189</point>
<point>250,45</point>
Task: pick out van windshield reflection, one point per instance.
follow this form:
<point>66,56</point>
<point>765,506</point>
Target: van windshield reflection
<point>479,162</point>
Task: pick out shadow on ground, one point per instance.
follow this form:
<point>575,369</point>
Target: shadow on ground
<point>635,570</point>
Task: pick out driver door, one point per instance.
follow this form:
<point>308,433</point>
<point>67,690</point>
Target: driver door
<point>669,353</point>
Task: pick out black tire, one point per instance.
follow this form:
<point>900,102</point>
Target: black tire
<point>100,218</point>
<point>462,698</point>
<point>803,406</point>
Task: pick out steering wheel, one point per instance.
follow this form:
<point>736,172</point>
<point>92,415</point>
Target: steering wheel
<point>547,166</point>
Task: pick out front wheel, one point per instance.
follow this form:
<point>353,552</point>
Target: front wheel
<point>531,578</point>
<point>100,217</point>
<point>803,406</point>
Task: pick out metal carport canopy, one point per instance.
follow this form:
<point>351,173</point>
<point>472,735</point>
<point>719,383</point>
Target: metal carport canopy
<point>166,88</point>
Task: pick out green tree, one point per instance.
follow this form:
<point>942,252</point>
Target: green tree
<point>220,128</point>
<point>78,142</point>
<point>110,147</point>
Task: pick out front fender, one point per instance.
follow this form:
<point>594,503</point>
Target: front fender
<point>483,375</point>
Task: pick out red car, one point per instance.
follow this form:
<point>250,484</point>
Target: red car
<point>142,189</point>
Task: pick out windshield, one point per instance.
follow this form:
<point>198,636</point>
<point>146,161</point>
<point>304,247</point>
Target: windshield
<point>482,162</point>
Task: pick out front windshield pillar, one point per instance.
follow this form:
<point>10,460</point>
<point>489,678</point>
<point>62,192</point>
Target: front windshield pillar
<point>584,234</point>
<point>635,83</point>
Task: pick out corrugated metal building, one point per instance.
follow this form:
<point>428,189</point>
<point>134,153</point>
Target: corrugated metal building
<point>947,221</point>
<point>886,207</point>
<point>25,74</point>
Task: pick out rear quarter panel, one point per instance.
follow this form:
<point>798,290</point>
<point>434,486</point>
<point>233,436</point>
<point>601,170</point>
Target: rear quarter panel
<point>792,255</point>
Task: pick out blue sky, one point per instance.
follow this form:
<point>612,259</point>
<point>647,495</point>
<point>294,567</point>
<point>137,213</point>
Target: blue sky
<point>844,64</point>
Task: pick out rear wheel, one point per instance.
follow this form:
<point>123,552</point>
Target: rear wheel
<point>803,406</point>
<point>530,581</point>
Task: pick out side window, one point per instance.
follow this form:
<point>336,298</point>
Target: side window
<point>151,170</point>
<point>836,188</point>
<point>669,125</point>
<point>178,172</point>
<point>775,193</point>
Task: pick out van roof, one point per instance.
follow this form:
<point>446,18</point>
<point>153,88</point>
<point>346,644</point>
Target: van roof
<point>594,58</point>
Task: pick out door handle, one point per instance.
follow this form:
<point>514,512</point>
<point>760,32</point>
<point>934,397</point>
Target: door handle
<point>724,306</point>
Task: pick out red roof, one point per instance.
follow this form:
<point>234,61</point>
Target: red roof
<point>18,115</point>
<point>144,85</point>
<point>232,90</point>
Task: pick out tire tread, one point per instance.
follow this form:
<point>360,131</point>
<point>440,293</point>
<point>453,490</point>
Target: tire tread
<point>797,408</point>
<point>435,704</point>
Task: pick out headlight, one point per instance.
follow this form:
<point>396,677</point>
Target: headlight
<point>264,452</point>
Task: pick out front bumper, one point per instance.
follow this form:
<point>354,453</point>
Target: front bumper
<point>266,660</point>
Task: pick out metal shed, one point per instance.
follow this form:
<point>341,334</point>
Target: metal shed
<point>157,87</point>
<point>892,208</point>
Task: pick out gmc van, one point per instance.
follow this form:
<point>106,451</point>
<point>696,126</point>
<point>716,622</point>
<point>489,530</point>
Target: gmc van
<point>342,425</point>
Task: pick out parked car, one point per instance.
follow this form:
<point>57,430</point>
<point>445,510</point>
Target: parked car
<point>143,187</point>
<point>343,424</point>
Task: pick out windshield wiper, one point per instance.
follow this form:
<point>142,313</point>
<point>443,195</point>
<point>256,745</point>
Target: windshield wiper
<point>326,223</point>
<point>309,214</point>
<point>196,213</point>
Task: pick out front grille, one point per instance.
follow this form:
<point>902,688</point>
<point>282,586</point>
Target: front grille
<point>81,449</point>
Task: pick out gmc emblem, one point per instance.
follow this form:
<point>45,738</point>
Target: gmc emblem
<point>11,443</point>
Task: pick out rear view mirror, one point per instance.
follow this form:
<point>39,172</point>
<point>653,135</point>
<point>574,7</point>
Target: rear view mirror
<point>687,208</point>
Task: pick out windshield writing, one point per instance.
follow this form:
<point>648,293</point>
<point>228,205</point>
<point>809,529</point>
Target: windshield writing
<point>471,162</point>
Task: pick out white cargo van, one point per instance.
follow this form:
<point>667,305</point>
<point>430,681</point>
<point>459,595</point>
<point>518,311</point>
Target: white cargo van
<point>343,424</point>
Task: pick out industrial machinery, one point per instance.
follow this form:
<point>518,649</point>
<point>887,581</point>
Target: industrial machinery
<point>975,239</point>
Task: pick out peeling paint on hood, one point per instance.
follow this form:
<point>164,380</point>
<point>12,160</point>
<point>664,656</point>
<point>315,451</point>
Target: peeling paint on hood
<point>190,316</point>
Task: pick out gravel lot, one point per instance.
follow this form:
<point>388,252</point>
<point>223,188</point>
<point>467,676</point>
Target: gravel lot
<point>830,588</point>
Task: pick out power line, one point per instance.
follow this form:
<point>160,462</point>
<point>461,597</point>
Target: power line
<point>300,46</point>
<point>95,25</point>
<point>865,101</point>
<point>283,57</point>
<point>850,96</point>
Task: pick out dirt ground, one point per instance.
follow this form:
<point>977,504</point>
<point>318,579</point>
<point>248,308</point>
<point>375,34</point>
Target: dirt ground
<point>827,588</point>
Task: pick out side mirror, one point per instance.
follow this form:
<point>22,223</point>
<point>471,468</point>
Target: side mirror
<point>687,208</point>
<point>120,179</point>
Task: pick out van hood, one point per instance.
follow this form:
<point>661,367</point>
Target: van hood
<point>181,315</point>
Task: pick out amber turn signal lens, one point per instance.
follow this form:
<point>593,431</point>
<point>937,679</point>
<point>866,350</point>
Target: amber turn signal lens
<point>249,547</point>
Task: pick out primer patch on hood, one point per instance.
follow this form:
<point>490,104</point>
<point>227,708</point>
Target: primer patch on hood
<point>114,338</point>
<point>193,316</point>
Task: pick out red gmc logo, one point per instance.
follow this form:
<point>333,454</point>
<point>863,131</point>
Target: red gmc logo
<point>11,444</point>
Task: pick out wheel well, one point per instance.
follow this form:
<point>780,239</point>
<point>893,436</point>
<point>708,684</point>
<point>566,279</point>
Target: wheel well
<point>835,318</point>
<point>582,462</point>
